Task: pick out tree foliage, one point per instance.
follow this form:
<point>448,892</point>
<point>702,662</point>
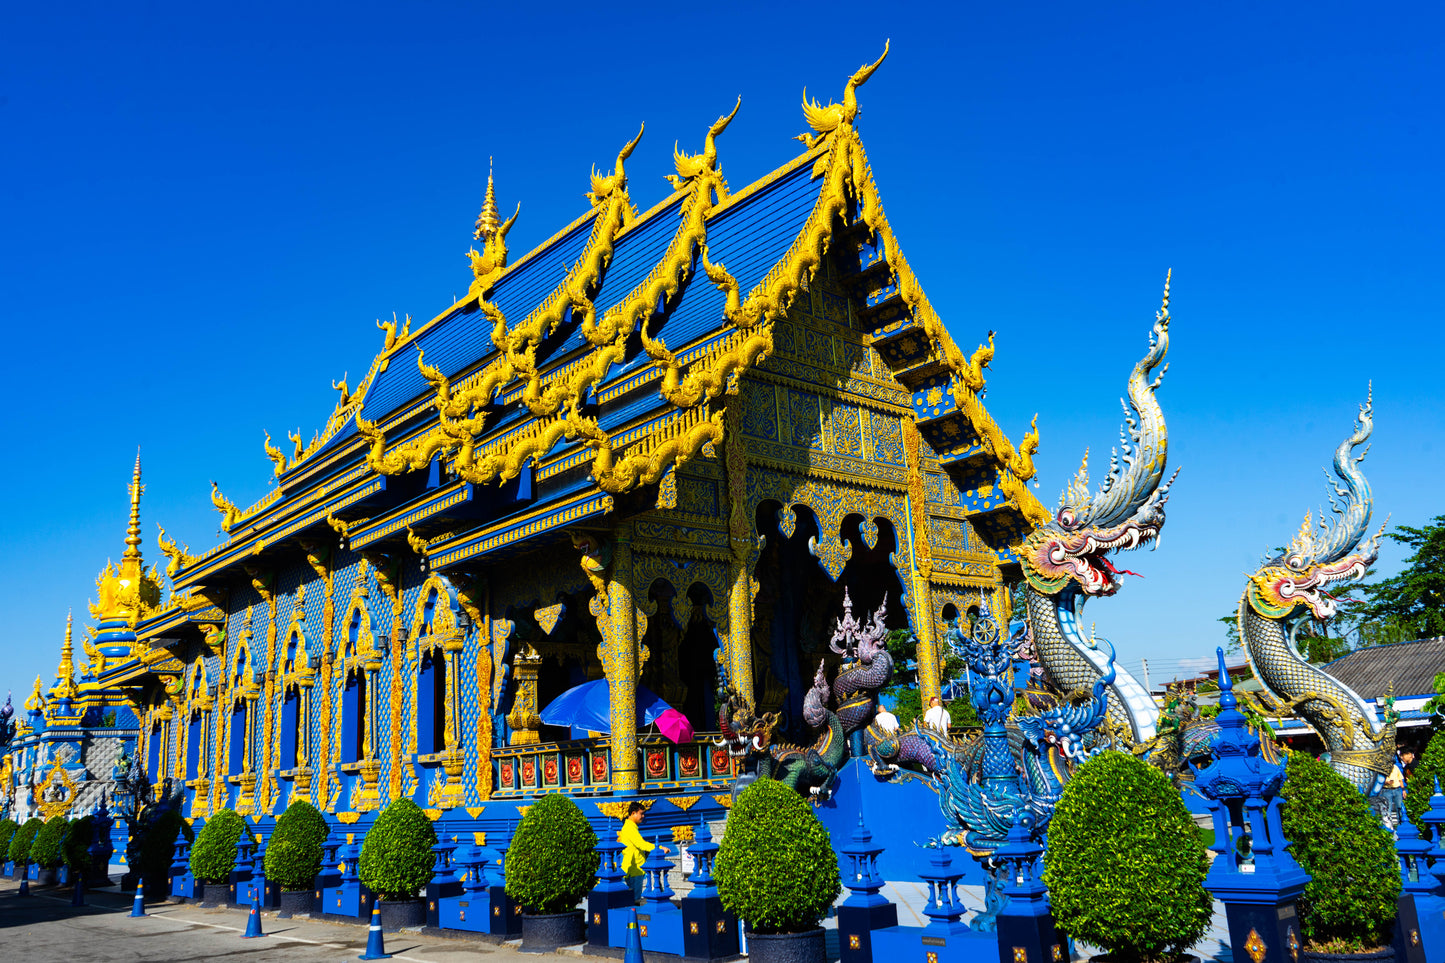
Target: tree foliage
<point>1410,605</point>
<point>903,697</point>
<point>75,851</point>
<point>1349,905</point>
<point>293,857</point>
<point>24,836</point>
<point>1124,865</point>
<point>1430,767</point>
<point>45,851</point>
<point>552,861</point>
<point>775,866</point>
<point>396,857</point>
<point>8,827</point>
<point>214,854</point>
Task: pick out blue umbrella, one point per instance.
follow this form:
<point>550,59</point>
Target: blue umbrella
<point>589,706</point>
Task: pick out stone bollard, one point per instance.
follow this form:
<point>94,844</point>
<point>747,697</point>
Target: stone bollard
<point>611,892</point>
<point>865,909</point>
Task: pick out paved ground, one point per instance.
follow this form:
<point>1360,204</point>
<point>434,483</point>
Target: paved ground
<point>44,928</point>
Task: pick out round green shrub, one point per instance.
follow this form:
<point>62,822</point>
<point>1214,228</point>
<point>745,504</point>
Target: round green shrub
<point>158,845</point>
<point>214,854</point>
<point>775,866</point>
<point>75,851</point>
<point>22,840</point>
<point>552,861</point>
<point>45,851</point>
<point>1124,865</point>
<point>7,833</point>
<point>1333,833</point>
<point>1431,766</point>
<point>293,857</point>
<point>396,857</point>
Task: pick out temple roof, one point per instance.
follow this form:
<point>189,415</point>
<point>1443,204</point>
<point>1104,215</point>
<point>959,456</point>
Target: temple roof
<point>594,363</point>
<point>1406,669</point>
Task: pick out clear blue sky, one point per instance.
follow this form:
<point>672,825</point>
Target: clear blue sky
<point>205,208</point>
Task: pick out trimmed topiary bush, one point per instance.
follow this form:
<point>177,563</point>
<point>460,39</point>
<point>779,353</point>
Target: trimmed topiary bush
<point>75,851</point>
<point>214,854</point>
<point>7,833</point>
<point>1334,834</point>
<point>45,851</point>
<point>1421,786</point>
<point>396,857</point>
<point>552,861</point>
<point>293,857</point>
<point>1124,865</point>
<point>22,840</point>
<point>158,846</point>
<point>775,866</point>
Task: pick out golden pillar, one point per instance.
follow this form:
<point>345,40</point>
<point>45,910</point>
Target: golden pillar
<point>744,550</point>
<point>920,573</point>
<point>621,663</point>
<point>523,719</point>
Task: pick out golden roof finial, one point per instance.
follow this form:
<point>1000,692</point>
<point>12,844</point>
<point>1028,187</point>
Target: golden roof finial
<point>132,533</point>
<point>65,671</point>
<point>1164,309</point>
<point>488,220</point>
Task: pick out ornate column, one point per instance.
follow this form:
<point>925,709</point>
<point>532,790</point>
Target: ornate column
<point>476,602</point>
<point>921,570</point>
<point>319,559</point>
<point>620,660</point>
<point>388,576</point>
<point>744,550</point>
<point>264,584</point>
<point>370,768</point>
<point>523,720</point>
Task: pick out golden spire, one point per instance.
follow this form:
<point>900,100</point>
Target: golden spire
<point>64,673</point>
<point>488,220</point>
<point>131,558</point>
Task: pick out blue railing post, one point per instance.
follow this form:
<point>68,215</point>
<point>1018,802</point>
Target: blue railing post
<point>611,892</point>
<point>444,882</point>
<point>1025,921</point>
<point>866,909</point>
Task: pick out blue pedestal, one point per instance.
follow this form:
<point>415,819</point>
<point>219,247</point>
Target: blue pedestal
<point>954,943</point>
<point>1430,911</point>
<point>183,886</point>
<point>348,898</point>
<point>610,893</point>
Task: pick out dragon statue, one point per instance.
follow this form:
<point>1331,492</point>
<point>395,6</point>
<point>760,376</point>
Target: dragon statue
<point>743,733</point>
<point>810,769</point>
<point>1294,587</point>
<point>867,668</point>
<point>1066,560</point>
<point>980,791</point>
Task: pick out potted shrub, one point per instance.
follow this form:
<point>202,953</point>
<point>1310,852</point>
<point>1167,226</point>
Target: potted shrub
<point>45,851</point>
<point>396,862</point>
<point>156,849</point>
<point>293,856</point>
<point>777,872</point>
<point>551,865</point>
<point>20,845</point>
<point>1124,865</point>
<point>214,855</point>
<point>7,833</point>
<point>1348,909</point>
<point>75,851</point>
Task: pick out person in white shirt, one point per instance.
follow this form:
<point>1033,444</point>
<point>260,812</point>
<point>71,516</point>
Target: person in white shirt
<point>886,721</point>
<point>937,716</point>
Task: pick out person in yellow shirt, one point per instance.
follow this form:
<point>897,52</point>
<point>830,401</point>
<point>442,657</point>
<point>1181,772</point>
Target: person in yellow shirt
<point>636,849</point>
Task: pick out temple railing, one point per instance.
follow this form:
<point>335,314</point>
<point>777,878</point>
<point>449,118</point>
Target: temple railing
<point>584,766</point>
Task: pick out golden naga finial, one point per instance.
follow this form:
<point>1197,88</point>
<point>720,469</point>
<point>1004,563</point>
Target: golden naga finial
<point>338,525</point>
<point>390,328</point>
<point>230,514</point>
<point>690,166</point>
<point>1163,312</point>
<point>825,120</point>
<point>179,556</point>
<point>417,543</point>
<point>492,231</point>
<point>299,445</point>
<point>604,187</point>
<point>341,386</point>
<point>275,454</point>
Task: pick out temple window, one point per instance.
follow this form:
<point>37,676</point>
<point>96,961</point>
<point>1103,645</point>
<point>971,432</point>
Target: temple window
<point>237,759</point>
<point>431,702</point>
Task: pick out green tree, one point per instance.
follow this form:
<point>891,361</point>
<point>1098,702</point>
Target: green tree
<point>1421,786</point>
<point>903,696</point>
<point>1410,605</point>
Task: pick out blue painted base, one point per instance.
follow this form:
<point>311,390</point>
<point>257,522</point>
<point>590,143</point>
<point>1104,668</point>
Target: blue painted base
<point>506,915</point>
<point>882,803</point>
<point>660,925</point>
<point>955,943</point>
<point>1409,945</point>
<point>599,920</point>
<point>471,912</point>
<point>1026,938</point>
<point>349,899</point>
<point>855,929</point>
<point>1277,926</point>
<point>184,886</point>
<point>1430,911</point>
<point>709,932</point>
<point>435,893</point>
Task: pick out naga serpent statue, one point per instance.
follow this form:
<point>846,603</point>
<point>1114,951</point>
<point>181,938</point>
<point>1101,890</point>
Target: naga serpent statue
<point>1295,586</point>
<point>868,667</point>
<point>1066,560</point>
<point>810,769</point>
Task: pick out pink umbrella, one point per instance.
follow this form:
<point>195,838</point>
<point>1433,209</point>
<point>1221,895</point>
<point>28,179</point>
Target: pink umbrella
<point>674,726</point>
